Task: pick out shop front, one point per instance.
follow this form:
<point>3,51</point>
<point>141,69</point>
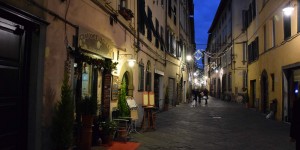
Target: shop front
<point>93,63</point>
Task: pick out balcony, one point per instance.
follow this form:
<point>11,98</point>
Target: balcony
<point>126,13</point>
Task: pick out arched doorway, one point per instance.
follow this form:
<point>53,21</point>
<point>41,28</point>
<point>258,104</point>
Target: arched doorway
<point>264,91</point>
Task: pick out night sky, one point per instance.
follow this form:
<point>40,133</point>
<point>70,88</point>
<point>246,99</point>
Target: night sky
<point>204,14</point>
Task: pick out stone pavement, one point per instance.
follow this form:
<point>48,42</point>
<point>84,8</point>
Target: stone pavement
<point>219,125</point>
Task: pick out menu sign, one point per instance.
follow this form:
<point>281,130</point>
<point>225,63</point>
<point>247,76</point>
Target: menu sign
<point>114,89</point>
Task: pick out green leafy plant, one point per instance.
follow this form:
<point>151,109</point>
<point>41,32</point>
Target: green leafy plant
<point>122,103</point>
<point>88,106</point>
<point>63,119</point>
<point>108,127</point>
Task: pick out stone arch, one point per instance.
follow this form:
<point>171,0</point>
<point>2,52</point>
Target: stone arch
<point>126,72</point>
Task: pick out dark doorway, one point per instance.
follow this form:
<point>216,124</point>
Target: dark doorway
<point>253,93</point>
<point>14,78</point>
<point>264,91</point>
<point>156,89</point>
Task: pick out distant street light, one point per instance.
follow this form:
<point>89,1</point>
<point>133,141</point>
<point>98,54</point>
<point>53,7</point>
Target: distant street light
<point>188,57</point>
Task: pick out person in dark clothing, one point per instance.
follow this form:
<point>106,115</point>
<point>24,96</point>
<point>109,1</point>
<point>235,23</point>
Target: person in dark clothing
<point>205,95</point>
<point>295,124</point>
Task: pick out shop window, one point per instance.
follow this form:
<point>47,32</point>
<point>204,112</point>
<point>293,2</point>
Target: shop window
<point>86,80</point>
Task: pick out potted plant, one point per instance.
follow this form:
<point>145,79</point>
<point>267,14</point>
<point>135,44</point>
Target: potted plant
<point>87,109</point>
<point>63,119</point>
<point>107,129</point>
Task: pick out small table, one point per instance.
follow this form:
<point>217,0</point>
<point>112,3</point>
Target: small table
<point>129,119</point>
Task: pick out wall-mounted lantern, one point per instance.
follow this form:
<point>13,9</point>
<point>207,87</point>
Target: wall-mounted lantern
<point>288,10</point>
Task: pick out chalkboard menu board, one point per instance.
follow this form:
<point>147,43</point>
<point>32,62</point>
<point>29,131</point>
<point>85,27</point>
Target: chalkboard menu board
<point>114,89</point>
<point>106,95</point>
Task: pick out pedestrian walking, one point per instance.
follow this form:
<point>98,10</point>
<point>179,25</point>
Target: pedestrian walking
<point>205,95</point>
<point>295,124</point>
<point>194,98</point>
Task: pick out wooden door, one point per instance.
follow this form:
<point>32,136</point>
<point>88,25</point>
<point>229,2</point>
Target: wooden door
<point>13,89</point>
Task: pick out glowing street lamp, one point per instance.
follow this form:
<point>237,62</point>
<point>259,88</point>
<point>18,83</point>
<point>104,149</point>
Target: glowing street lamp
<point>131,62</point>
<point>188,57</point>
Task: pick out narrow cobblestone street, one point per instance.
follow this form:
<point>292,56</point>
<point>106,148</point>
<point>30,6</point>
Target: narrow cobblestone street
<point>219,125</point>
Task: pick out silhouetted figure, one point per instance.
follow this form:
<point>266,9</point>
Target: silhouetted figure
<point>295,124</point>
<point>205,95</point>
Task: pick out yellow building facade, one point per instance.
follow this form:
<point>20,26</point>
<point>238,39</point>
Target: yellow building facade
<point>226,67</point>
<point>273,74</point>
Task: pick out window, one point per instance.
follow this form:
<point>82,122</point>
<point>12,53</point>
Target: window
<point>149,30</point>
<point>253,9</point>
<point>287,26</point>
<point>148,77</point>
<point>265,37</point>
<point>273,32</point>
<point>162,36</point>
<point>156,33</point>
<point>170,8</point>
<point>249,15</point>
<point>253,51</point>
<point>174,11</point>
<point>123,4</point>
<point>245,20</point>
<point>244,53</point>
<point>141,77</point>
<point>142,16</point>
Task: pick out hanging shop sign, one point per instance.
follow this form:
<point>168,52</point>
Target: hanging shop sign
<point>95,43</point>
